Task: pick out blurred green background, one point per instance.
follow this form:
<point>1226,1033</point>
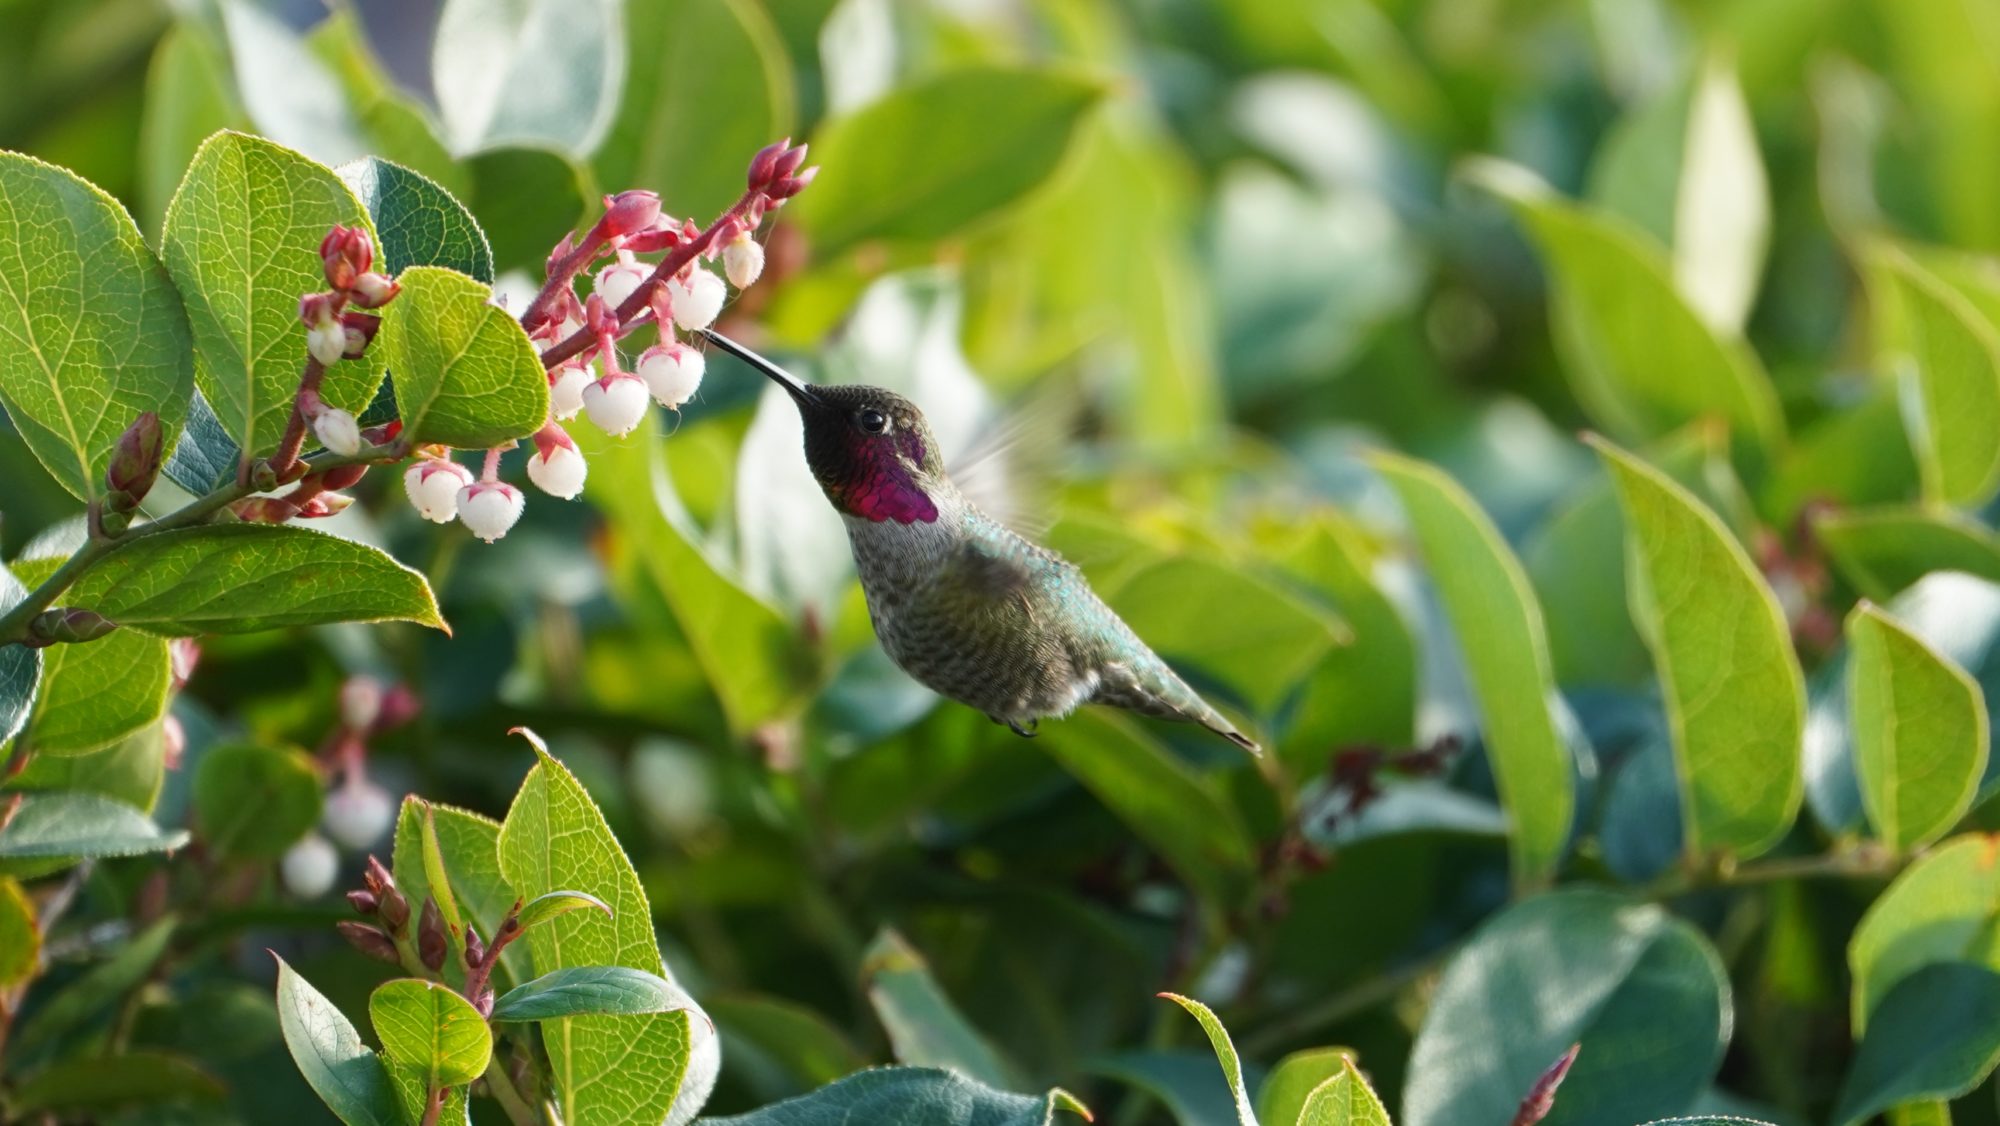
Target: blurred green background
<point>1194,255</point>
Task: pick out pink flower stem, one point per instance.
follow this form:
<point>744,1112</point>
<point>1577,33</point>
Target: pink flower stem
<point>641,298</point>
<point>295,426</point>
<point>562,275</point>
<point>491,472</point>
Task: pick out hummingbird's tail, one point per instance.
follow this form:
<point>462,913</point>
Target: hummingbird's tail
<point>1156,690</point>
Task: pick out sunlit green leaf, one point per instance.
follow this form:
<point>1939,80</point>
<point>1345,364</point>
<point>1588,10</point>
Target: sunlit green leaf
<point>95,693</point>
<point>95,333</point>
<point>242,243</point>
<point>1951,405</point>
<point>1920,731</point>
<point>241,578</point>
<point>20,935</point>
<point>1344,1100</point>
<point>1940,909</point>
<point>905,166</point>
<point>1225,1054</point>
<point>1498,623</point>
<point>429,1027</point>
<point>418,221</point>
<point>1284,1093</point>
<point>589,991</point>
<point>466,375</point>
<point>1734,692</point>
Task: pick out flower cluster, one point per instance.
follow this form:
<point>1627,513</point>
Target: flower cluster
<point>358,811</point>
<point>334,333</point>
<point>580,335</point>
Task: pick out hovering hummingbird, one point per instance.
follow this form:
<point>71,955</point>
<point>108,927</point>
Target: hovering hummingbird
<point>970,609</point>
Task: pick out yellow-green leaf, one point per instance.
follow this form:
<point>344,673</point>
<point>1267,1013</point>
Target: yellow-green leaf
<point>466,375</point>
<point>1945,907</point>
<point>429,1027</point>
<point>1344,1100</point>
<point>1735,695</point>
<point>1951,405</point>
<point>1920,731</point>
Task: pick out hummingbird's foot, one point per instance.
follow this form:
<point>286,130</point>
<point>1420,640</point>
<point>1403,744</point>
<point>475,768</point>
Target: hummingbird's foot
<point>1026,731</point>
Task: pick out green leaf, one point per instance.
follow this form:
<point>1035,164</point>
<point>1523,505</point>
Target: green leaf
<point>289,92</point>
<point>188,97</point>
<point>73,826</point>
<point>1275,638</point>
<point>96,693</point>
<point>1499,627</point>
<point>1884,550</point>
<point>542,908</point>
<point>242,243</point>
<point>418,221</point>
<point>1225,1054</point>
<point>102,1082</point>
<point>242,578</point>
<point>350,1079</point>
<point>438,878</point>
<point>1344,1100</point>
<point>1686,169</point>
<point>544,73</point>
<point>526,200</point>
<point>1639,359</point>
<point>95,334</point>
<point>589,991</point>
<point>1945,907</point>
<point>1932,1037</point>
<point>1920,731</point>
<point>1284,1092</point>
<point>912,1095</point>
<point>429,1027</point>
<point>1159,798</point>
<point>466,375</point>
<point>205,456</point>
<point>20,666</point>
<point>685,57</point>
<point>749,653</point>
<point>606,1069</point>
<point>1952,403</point>
<point>97,990</point>
<point>781,1048</point>
<point>905,167</point>
<point>1734,693</point>
<point>1365,691</point>
<point>925,1029</point>
<point>469,848</point>
<point>129,771</point>
<point>1643,992</point>
<point>253,802</point>
<point>1820,465</point>
<point>20,935</point>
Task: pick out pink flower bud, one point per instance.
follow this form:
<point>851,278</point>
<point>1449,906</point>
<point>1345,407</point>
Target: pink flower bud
<point>556,467</point>
<point>566,390</point>
<point>672,372</point>
<point>324,504</point>
<point>615,404</point>
<point>343,476</point>
<point>399,706</point>
<point>619,281</point>
<point>663,235</point>
<point>743,261</point>
<point>337,431</point>
<point>490,508</point>
<point>563,250</point>
<point>697,298</point>
<point>372,291</point>
<point>135,462</point>
<point>764,165</point>
<point>430,935</point>
<point>346,253</point>
<point>433,485</point>
<point>628,212</point>
<point>369,940</point>
<point>790,186</point>
<point>310,867</point>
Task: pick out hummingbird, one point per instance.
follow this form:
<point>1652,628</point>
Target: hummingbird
<point>962,603</point>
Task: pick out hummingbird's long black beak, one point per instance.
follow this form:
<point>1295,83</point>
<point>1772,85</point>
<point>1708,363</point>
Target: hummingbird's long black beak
<point>801,391</point>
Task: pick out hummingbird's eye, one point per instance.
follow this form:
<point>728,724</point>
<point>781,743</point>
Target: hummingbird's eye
<point>872,421</point>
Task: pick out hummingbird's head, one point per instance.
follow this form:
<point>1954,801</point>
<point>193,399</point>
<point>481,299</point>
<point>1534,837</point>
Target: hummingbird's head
<point>870,450</point>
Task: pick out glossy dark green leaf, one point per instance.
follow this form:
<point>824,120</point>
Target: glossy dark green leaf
<point>589,991</point>
<point>1643,992</point>
<point>253,802</point>
<point>241,578</point>
<point>418,221</point>
<point>905,167</point>
<point>20,666</point>
<point>1932,1037</point>
<point>71,826</point>
<point>350,1079</point>
<point>96,335</point>
<point>205,456</point>
<point>912,1095</point>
